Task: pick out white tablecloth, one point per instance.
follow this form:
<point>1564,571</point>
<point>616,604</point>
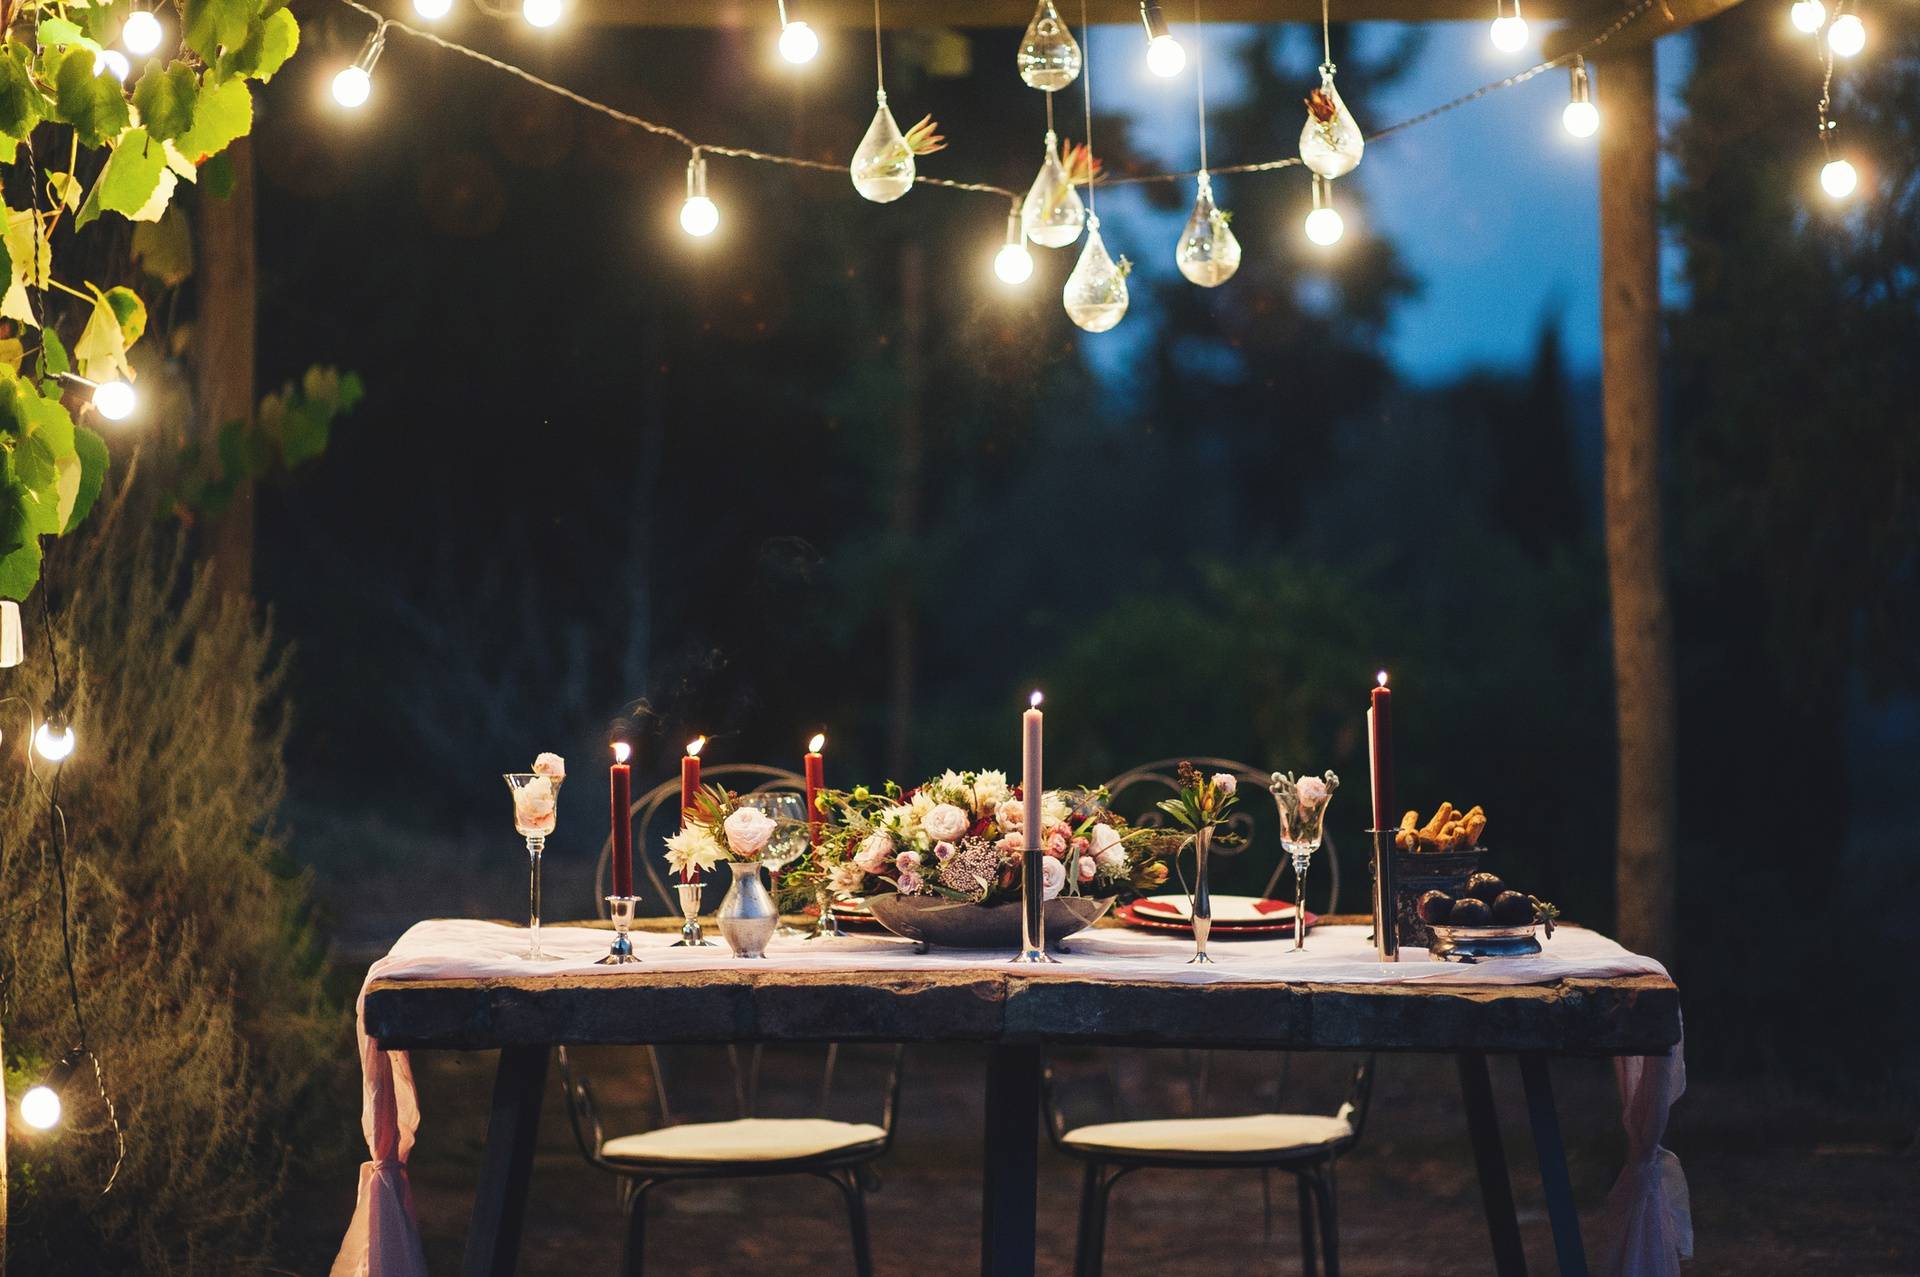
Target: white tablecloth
<point>1650,1229</point>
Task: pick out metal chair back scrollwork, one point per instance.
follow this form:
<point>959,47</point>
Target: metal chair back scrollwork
<point>654,814</point>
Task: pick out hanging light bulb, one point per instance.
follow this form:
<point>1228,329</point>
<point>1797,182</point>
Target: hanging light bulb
<point>141,32</point>
<point>114,63</point>
<point>433,10</point>
<point>1165,57</point>
<point>1049,57</point>
<point>1013,263</point>
<point>882,168</point>
<point>354,85</point>
<point>40,1106</point>
<point>1808,15</point>
<point>1509,30</point>
<point>114,400</point>
<point>1839,178</point>
<point>1208,253</point>
<point>1052,214</point>
<point>53,740</point>
<point>1330,140</point>
<point>1847,36</point>
<point>1324,224</point>
<point>699,216</point>
<point>540,13</point>
<point>798,43</point>
<point>1096,292</point>
<point>1581,117</point>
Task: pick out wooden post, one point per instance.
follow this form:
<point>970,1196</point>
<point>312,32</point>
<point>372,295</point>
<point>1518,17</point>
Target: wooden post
<point>224,354</point>
<point>4,1101</point>
<point>1636,563</point>
<point>910,454</point>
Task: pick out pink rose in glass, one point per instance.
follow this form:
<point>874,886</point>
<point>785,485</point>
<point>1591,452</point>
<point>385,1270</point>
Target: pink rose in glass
<point>1313,791</point>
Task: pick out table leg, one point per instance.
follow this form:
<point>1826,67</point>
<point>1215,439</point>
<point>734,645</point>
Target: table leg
<point>1010,1175</point>
<point>1554,1181</point>
<point>1496,1190</point>
<point>500,1200</point>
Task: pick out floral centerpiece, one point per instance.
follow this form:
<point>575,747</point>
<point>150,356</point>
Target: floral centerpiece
<point>718,827</point>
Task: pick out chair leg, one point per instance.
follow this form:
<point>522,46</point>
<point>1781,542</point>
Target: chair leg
<point>1089,1196</point>
<point>1309,1258</point>
<point>1266,1205</point>
<point>633,1259</point>
<point>1329,1222</point>
<point>1093,1253</point>
<point>857,1222</point>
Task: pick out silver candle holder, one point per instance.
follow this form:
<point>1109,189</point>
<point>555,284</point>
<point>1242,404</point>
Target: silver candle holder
<point>1033,903</point>
<point>620,909</point>
<point>691,937</point>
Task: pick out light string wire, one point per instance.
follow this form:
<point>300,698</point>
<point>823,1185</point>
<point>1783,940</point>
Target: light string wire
<point>1825,108</point>
<point>1627,17</point>
<point>1200,84</point>
<point>879,66</point>
<point>1086,90</point>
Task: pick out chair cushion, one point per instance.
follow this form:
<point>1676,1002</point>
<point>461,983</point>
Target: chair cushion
<point>1202,1137</point>
<point>750,1139</point>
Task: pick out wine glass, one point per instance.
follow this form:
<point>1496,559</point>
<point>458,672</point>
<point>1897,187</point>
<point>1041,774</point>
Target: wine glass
<point>789,841</point>
<point>535,800</point>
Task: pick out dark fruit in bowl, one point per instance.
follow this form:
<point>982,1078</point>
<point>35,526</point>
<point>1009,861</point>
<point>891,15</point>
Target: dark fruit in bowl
<point>1512,909</point>
<point>1434,906</point>
<point>1470,913</point>
<point>1485,887</point>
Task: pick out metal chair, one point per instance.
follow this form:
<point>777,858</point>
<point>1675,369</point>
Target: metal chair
<point>747,1147</point>
<point>1304,1145</point>
<point>651,824</point>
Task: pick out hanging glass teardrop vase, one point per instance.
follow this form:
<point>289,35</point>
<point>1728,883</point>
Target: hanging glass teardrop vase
<point>1208,253</point>
<point>1052,214</point>
<point>1096,293</point>
<point>1330,141</point>
<point>882,168</point>
<point>1049,58</point>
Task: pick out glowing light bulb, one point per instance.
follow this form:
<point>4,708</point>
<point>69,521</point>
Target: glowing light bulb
<point>40,1108</point>
<point>1581,117</point>
<point>352,87</point>
<point>798,43</point>
<point>53,739</point>
<point>1847,36</point>
<point>141,32</point>
<point>433,10</point>
<point>1165,56</point>
<point>114,63</point>
<point>1013,263</point>
<point>1509,33</point>
<point>113,400</point>
<point>1808,15</point>
<point>1839,179</point>
<point>1324,224</point>
<point>699,216</point>
<point>540,13</point>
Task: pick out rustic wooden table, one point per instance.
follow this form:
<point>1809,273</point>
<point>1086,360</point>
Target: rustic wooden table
<point>1018,1015</point>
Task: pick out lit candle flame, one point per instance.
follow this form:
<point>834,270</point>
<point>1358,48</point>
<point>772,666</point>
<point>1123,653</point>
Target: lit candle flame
<point>1034,700</point>
<point>1381,678</point>
<point>621,750</point>
<point>817,743</point>
<point>695,745</point>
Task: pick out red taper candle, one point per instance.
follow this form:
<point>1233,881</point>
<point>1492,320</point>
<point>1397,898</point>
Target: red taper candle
<point>690,792</point>
<point>622,817</point>
<point>816,773</point>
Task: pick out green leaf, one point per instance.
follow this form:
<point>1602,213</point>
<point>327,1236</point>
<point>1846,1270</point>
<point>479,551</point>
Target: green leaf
<point>165,97</point>
<point>21,103</point>
<point>102,349</point>
<point>53,354</point>
<point>271,40</point>
<point>91,452</point>
<point>164,248</point>
<point>104,20</point>
<point>20,570</point>
<point>215,24</point>
<point>93,104</point>
<point>128,311</point>
<point>130,178</point>
<point>223,113</point>
<point>58,33</point>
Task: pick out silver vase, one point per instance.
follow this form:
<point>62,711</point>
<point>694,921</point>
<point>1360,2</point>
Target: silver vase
<point>748,914</point>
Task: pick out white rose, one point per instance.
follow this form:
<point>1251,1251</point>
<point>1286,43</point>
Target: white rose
<point>550,765</point>
<point>874,853</point>
<point>1312,791</point>
<point>1053,876</point>
<point>533,805</point>
<point>748,831</point>
<point>945,822</point>
<point>1225,782</point>
<point>1107,847</point>
<point>1009,815</point>
<point>846,879</point>
<point>1054,808</point>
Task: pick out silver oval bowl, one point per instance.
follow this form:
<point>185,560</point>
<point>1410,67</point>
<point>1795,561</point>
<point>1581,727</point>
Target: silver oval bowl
<point>1471,944</point>
<point>955,924</point>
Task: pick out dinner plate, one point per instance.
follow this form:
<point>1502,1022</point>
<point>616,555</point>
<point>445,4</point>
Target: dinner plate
<point>1228,911</point>
<point>1130,916</point>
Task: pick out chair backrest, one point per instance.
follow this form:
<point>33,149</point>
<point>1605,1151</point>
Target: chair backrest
<point>1135,792</point>
<point>655,816</point>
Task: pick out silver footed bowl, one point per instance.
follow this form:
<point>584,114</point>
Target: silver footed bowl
<point>1471,944</point>
<point>956,924</point>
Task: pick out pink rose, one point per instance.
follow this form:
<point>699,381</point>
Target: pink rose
<point>1225,782</point>
<point>552,766</point>
<point>943,851</point>
<point>1087,868</point>
<point>748,831</point>
<point>907,861</point>
<point>1057,844</point>
<point>1081,846</point>
<point>910,883</point>
<point>874,853</point>
<point>1053,876</point>
<point>1312,791</point>
<point>1011,846</point>
<point>1009,815</point>
<point>944,822</point>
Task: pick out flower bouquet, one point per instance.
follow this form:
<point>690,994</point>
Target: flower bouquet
<point>942,862</point>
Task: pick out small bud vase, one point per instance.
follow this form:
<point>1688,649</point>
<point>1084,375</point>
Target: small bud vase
<point>748,914</point>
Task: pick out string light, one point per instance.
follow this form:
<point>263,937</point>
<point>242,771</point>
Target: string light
<point>114,63</point>
<point>1509,30</point>
<point>141,32</point>
<point>354,85</point>
<point>798,43</point>
<point>53,740</point>
<point>113,399</point>
<point>1847,35</point>
<point>1324,224</point>
<point>40,1107</point>
<point>433,10</point>
<point>1165,56</point>
<point>1838,178</point>
<point>1581,117</point>
<point>699,216</point>
<point>540,13</point>
<point>1809,15</point>
<point>1013,263</point>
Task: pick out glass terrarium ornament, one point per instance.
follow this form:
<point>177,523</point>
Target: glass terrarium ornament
<point>1096,291</point>
<point>1208,254</point>
<point>882,168</point>
<point>1330,141</point>
<point>1052,214</point>
<point>1049,58</point>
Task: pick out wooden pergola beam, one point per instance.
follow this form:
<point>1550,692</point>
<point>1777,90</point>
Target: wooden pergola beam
<point>1015,14</point>
<point>1664,17</point>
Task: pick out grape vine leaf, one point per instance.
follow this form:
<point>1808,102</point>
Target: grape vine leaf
<point>58,33</point>
<point>271,40</point>
<point>53,354</point>
<point>215,24</point>
<point>21,104</point>
<point>132,173</point>
<point>223,113</point>
<point>19,569</point>
<point>164,248</point>
<point>165,97</point>
<point>118,320</point>
<point>31,259</point>
<point>90,451</point>
<point>93,104</point>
